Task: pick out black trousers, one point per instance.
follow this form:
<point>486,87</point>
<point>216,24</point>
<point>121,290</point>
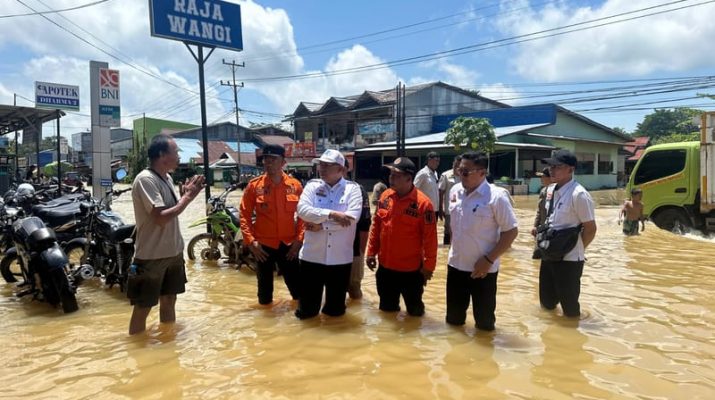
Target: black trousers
<point>391,284</point>
<point>461,287</point>
<point>314,277</point>
<point>560,282</point>
<point>288,268</point>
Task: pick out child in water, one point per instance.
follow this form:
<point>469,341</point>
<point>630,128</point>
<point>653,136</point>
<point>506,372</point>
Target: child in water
<point>633,212</point>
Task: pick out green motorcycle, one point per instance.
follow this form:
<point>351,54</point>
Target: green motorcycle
<point>224,241</point>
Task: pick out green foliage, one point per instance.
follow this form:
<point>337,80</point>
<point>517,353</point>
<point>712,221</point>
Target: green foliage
<point>51,168</point>
<point>475,133</point>
<point>621,130</point>
<point>678,137</point>
<point>663,123</point>
<point>137,159</point>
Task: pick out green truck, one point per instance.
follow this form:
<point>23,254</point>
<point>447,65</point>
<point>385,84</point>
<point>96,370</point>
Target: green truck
<point>678,182</point>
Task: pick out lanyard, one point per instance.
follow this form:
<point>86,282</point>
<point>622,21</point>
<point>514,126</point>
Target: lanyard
<point>171,190</point>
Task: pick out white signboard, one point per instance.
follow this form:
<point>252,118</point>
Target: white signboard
<point>109,97</point>
<point>56,96</point>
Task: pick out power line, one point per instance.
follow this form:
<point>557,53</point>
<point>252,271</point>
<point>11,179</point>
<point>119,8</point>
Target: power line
<point>55,11</point>
<point>486,45</point>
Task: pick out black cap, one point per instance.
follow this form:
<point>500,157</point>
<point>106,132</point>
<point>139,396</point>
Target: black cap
<point>403,164</point>
<point>273,150</point>
<point>544,172</point>
<point>561,157</point>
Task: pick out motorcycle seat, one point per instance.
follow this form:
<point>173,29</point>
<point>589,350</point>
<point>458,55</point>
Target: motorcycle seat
<point>59,215</point>
<point>122,233</point>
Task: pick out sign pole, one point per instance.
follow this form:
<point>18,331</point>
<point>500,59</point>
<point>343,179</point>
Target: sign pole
<point>59,155</point>
<point>202,93</point>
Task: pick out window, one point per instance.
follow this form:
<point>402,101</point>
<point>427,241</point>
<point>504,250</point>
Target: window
<point>605,165</point>
<point>659,164</point>
<point>585,163</point>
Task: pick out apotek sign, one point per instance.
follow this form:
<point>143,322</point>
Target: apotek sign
<point>211,23</point>
<point>56,96</point>
<point>109,97</point>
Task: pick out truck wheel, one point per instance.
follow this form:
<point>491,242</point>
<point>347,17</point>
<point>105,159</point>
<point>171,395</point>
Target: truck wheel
<point>673,220</point>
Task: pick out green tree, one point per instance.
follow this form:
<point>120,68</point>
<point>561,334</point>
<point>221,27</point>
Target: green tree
<point>621,130</point>
<point>666,122</point>
<point>137,158</point>
<point>678,137</point>
<point>475,133</point>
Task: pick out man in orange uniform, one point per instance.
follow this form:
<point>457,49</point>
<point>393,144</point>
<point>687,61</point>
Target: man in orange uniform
<point>276,235</point>
<point>404,238</point>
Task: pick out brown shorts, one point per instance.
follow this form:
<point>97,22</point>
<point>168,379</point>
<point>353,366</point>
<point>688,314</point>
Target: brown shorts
<point>155,278</point>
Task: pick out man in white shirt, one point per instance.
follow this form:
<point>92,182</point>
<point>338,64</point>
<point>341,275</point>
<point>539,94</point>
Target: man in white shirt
<point>568,205</point>
<point>426,181</point>
<point>484,227</point>
<point>330,206</point>
<point>446,181</point>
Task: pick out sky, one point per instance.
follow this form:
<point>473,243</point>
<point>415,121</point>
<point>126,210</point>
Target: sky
<point>613,61</point>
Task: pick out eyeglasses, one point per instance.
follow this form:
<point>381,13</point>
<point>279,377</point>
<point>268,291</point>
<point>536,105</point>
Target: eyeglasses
<point>466,172</point>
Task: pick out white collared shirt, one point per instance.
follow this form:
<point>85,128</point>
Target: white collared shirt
<point>333,245</point>
<point>573,206</point>
<point>426,182</point>
<point>477,220</point>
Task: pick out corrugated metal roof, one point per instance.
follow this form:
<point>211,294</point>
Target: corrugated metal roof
<point>246,147</point>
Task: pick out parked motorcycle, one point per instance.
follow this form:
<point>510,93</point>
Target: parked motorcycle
<point>107,248</point>
<point>44,266</point>
<point>220,242</point>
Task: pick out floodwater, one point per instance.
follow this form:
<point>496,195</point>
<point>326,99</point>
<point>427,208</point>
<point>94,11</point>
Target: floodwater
<point>646,333</point>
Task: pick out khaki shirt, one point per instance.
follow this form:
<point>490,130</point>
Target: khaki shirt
<point>149,191</point>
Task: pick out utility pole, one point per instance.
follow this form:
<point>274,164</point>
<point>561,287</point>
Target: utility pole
<point>235,87</point>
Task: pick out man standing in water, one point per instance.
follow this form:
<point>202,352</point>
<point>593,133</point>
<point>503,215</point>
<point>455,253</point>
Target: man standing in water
<point>403,236</point>
<point>332,205</point>
<point>484,227</point>
<point>446,181</point>
<point>568,205</point>
<point>159,247</point>
<point>274,237</point>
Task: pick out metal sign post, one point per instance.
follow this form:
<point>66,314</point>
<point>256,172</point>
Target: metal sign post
<point>210,24</point>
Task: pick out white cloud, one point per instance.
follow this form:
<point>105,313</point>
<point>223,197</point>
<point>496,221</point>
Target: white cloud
<point>500,92</point>
<point>670,42</point>
<point>288,94</point>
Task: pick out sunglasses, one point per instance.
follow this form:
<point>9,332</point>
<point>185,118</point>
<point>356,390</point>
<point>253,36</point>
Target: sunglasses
<point>466,172</point>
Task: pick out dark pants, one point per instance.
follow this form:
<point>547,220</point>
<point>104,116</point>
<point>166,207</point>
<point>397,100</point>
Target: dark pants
<point>314,277</point>
<point>447,229</point>
<point>483,293</point>
<point>560,282</point>
<point>288,268</point>
<point>391,284</point>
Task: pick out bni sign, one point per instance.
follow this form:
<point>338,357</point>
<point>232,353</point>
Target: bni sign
<point>56,96</point>
<point>109,97</point>
<point>211,23</point>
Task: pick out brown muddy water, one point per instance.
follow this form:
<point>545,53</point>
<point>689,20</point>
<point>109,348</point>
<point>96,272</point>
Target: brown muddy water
<point>646,333</point>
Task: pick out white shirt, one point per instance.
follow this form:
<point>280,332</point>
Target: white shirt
<point>446,181</point>
<point>573,206</point>
<point>333,245</point>
<point>426,182</point>
<point>477,220</point>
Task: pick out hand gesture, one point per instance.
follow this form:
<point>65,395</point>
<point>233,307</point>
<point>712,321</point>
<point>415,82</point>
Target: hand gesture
<point>533,231</point>
<point>426,274</point>
<point>309,226</point>
<point>257,251</point>
<point>193,186</point>
<point>481,268</point>
<point>371,262</point>
<point>293,251</point>
<point>341,218</point>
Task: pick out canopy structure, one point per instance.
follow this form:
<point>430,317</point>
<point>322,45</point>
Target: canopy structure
<point>14,119</point>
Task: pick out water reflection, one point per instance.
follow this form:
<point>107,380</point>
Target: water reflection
<point>646,333</point>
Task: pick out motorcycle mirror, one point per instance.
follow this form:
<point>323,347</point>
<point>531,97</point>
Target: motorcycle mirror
<point>120,174</point>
